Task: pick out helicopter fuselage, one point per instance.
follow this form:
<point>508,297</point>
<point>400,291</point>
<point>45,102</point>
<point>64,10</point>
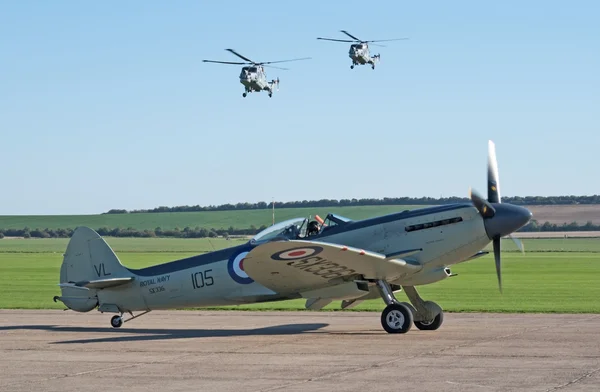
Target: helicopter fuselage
<point>254,83</point>
<point>359,53</point>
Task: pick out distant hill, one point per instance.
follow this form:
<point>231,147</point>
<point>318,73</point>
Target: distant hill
<point>386,201</point>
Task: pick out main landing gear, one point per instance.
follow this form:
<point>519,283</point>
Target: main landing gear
<point>398,317</point>
<point>117,321</point>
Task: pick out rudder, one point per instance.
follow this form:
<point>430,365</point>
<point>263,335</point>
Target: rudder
<point>88,264</point>
<point>88,257</point>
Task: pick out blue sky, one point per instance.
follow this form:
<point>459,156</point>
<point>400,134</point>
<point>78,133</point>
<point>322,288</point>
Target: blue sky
<point>109,105</point>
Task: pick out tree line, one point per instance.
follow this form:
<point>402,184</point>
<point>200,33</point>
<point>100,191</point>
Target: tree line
<point>519,200</point>
<point>186,232</point>
<point>201,232</point>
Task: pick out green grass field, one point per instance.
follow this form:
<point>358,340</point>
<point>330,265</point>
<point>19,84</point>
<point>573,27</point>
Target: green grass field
<point>209,219</point>
<point>538,281</point>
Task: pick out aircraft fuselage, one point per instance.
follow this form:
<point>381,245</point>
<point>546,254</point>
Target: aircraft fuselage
<point>447,234</point>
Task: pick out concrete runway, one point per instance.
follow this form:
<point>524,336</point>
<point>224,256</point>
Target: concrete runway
<point>296,351</point>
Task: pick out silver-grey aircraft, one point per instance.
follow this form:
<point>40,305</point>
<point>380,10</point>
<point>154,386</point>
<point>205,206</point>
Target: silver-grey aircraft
<point>359,50</point>
<point>253,75</point>
<point>319,260</point>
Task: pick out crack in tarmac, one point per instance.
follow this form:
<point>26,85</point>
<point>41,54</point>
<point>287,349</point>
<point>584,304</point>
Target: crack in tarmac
<point>575,381</point>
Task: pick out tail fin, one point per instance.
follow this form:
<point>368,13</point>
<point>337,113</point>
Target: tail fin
<point>89,264</point>
<point>88,258</point>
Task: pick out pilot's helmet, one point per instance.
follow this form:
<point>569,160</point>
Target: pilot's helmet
<point>313,226</point>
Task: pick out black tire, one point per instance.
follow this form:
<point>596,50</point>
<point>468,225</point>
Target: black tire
<point>431,325</point>
<point>116,321</point>
<point>396,318</point>
<point>244,95</point>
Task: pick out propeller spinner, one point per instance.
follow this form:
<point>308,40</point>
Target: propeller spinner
<point>500,219</point>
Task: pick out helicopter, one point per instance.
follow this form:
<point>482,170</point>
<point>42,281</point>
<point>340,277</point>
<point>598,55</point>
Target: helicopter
<point>359,51</point>
<point>253,75</point>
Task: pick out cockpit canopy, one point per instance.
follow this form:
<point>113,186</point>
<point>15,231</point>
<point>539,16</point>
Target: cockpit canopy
<point>358,46</point>
<point>296,228</point>
<point>289,229</point>
<point>250,69</point>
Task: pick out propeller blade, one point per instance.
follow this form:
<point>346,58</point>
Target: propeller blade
<point>518,242</point>
<point>223,62</point>
<point>386,40</point>
<point>337,40</point>
<point>350,35</point>
<point>493,181</point>
<point>498,262</point>
<point>284,61</point>
<point>272,66</point>
<point>240,56</point>
<point>483,206</point>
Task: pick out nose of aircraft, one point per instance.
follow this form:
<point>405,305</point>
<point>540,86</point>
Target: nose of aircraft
<point>507,219</point>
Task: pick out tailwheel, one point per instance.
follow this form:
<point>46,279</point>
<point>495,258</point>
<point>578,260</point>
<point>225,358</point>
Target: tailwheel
<point>396,318</point>
<point>116,321</point>
<point>431,325</point>
<point>244,95</point>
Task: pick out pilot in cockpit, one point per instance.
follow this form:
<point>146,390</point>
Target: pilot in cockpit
<point>313,228</point>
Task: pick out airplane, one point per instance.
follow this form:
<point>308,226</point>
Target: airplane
<point>321,261</point>
<point>359,51</point>
<point>253,75</point>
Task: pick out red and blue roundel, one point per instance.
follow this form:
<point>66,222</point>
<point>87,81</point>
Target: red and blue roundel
<point>297,253</point>
<point>235,267</point>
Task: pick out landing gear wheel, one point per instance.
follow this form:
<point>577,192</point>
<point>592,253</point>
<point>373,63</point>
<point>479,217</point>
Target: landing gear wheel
<point>352,66</point>
<point>244,95</point>
<point>431,325</point>
<point>116,321</point>
<point>396,318</point>
<point>372,66</point>
<point>270,95</point>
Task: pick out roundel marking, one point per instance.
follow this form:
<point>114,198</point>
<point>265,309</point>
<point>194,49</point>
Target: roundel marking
<point>235,267</point>
<point>297,253</point>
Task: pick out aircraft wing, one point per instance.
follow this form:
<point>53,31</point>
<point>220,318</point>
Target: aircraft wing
<point>298,266</point>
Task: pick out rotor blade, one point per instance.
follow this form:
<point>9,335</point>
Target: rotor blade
<point>498,262</point>
<point>486,210</point>
<point>240,56</point>
<point>350,35</point>
<point>223,62</point>
<point>493,181</point>
<point>272,66</point>
<point>518,242</point>
<point>386,40</point>
<point>338,40</point>
<point>383,46</point>
<point>285,61</point>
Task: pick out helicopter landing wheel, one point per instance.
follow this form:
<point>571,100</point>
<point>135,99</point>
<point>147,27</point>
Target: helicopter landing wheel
<point>244,95</point>
<point>352,66</point>
<point>373,66</point>
<point>270,95</point>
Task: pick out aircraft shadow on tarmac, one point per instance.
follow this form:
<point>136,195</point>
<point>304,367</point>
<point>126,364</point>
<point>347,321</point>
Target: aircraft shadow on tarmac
<point>135,334</point>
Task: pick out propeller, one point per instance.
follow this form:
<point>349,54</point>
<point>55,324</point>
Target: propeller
<point>355,39</point>
<point>250,62</point>
<point>488,211</point>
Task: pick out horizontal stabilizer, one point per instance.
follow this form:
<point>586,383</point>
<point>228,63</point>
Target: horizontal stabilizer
<point>98,284</point>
